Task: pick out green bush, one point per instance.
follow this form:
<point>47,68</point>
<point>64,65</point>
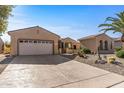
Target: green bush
<point>120,54</point>
<point>81,53</point>
<point>118,49</point>
<point>85,50</point>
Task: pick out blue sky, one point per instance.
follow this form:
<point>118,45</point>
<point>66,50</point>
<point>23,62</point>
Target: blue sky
<point>66,21</point>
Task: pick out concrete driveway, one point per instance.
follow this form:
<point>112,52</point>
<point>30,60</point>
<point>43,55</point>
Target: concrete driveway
<point>55,71</point>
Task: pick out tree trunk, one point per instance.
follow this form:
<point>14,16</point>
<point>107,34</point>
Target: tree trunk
<point>122,39</point>
<point>99,58</point>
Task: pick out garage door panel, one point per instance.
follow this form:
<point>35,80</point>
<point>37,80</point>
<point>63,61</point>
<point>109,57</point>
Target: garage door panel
<point>37,48</point>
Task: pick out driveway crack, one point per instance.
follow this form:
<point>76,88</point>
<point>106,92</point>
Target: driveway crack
<point>115,84</point>
<point>80,80</point>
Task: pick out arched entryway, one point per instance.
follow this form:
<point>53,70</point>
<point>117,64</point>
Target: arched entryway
<point>106,45</point>
<point>101,45</point>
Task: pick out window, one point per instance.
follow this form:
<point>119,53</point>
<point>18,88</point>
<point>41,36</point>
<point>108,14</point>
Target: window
<point>35,41</point>
<point>39,41</point>
<point>30,41</point>
<point>21,41</point>
<point>68,45</point>
<point>26,41</point>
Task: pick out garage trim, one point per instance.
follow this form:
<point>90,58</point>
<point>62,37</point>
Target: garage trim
<point>32,39</point>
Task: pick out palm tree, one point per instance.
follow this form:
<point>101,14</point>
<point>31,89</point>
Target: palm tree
<point>115,24</point>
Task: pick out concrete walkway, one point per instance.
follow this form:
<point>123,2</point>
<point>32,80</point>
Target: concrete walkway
<point>55,71</point>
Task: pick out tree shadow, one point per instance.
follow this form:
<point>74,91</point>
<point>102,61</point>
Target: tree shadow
<point>4,63</point>
<point>71,57</point>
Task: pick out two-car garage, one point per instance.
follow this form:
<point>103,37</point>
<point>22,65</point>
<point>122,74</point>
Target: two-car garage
<point>34,41</point>
<point>35,47</point>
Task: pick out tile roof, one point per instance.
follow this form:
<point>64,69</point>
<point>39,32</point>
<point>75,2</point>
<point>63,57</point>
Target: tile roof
<point>31,28</point>
<point>117,39</point>
<point>91,36</point>
<point>68,38</point>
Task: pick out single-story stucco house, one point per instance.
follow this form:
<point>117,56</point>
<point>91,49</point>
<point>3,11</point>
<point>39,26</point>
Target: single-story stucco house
<point>69,45</point>
<point>1,45</point>
<point>118,42</point>
<point>37,40</point>
<point>34,41</point>
<point>103,41</point>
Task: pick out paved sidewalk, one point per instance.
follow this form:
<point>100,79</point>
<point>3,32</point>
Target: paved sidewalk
<point>119,85</point>
<point>55,71</point>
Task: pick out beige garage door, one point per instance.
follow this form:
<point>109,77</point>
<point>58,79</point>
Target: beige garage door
<point>35,47</point>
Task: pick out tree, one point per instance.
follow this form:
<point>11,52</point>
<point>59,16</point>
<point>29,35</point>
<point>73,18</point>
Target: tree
<point>7,44</point>
<point>115,24</point>
<point>5,12</point>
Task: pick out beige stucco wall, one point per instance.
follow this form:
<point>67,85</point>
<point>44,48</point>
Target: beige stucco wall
<point>73,50</point>
<point>104,38</point>
<point>32,33</point>
<point>93,43</point>
<point>77,43</point>
<point>73,42</point>
<point>89,43</point>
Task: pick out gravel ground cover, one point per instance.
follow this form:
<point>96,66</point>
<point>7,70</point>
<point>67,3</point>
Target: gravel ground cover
<point>116,68</point>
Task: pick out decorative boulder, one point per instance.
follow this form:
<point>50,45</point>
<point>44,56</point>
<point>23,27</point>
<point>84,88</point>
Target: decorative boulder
<point>116,63</point>
<point>100,62</point>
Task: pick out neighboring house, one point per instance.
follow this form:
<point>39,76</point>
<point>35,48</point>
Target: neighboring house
<point>117,42</point>
<point>103,41</point>
<point>1,45</point>
<point>34,41</point>
<point>69,45</point>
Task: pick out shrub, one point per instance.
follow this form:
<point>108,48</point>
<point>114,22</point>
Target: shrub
<point>111,59</point>
<point>7,47</point>
<point>86,51</point>
<point>120,54</point>
<point>118,49</point>
<point>81,53</point>
<point>6,50</point>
